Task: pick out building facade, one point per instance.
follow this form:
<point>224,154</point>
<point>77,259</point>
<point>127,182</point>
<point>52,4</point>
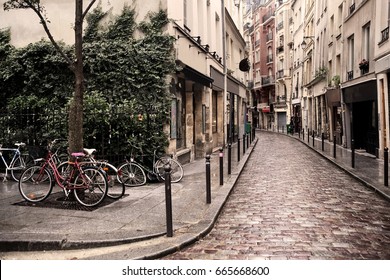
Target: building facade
<point>210,97</point>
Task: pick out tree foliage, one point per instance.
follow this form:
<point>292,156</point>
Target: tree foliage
<point>126,99</point>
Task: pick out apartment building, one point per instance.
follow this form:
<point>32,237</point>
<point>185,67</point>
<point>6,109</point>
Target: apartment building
<point>210,97</point>
<point>382,70</point>
<point>299,100</point>
<point>359,86</point>
<point>333,55</point>
<point>283,61</point>
<point>262,37</point>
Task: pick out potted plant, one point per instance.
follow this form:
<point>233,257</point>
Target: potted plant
<point>363,64</point>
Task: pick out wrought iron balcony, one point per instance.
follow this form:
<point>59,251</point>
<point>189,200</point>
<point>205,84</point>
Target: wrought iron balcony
<point>267,80</point>
<point>384,35</point>
<point>349,75</point>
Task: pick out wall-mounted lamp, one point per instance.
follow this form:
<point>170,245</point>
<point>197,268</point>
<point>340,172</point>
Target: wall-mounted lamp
<point>237,3</point>
<point>304,44</point>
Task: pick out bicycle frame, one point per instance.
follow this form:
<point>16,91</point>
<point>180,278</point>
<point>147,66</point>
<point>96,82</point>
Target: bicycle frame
<point>50,163</point>
<point>16,155</point>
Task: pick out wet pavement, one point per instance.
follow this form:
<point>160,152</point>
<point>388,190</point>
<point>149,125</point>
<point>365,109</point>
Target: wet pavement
<point>288,203</point>
<point>291,203</point>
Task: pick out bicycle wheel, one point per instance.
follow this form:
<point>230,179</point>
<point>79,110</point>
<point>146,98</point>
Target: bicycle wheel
<point>176,169</point>
<point>19,165</point>
<point>132,175</point>
<point>90,186</point>
<point>116,187</point>
<point>35,184</point>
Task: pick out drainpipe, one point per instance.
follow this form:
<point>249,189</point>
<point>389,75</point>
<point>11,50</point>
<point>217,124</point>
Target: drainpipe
<point>224,73</point>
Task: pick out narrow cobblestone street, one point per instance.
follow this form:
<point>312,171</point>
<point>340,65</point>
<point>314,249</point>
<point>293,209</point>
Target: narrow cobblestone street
<point>290,203</point>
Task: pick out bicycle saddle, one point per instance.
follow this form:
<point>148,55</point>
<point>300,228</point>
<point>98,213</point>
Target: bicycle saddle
<point>89,151</point>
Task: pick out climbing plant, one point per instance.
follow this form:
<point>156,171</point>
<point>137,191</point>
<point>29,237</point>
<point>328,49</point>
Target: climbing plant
<point>126,98</point>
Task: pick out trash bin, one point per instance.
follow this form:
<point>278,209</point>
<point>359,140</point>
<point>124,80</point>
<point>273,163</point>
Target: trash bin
<point>288,128</point>
<point>248,127</point>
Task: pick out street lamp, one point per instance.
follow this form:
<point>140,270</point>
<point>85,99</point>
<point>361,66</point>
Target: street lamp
<point>304,44</point>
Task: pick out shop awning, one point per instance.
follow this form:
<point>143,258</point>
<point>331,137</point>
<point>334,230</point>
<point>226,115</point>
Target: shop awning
<point>194,75</point>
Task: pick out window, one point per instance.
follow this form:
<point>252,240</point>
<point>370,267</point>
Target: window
<point>351,57</point>
<point>366,42</point>
<point>215,111</point>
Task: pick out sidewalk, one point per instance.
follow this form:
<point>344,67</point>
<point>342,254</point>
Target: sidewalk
<point>367,169</point>
<point>136,224</point>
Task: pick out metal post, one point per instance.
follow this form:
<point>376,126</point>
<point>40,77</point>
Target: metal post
<point>308,136</point>
<point>334,146</point>
<point>168,199</point>
<point>303,134</point>
<point>299,133</point>
<point>208,180</point>
<point>313,138</point>
<point>322,141</point>
<point>247,141</point>
<point>221,166</point>
<point>386,166</point>
<point>238,149</point>
<point>243,144</point>
<point>353,153</point>
<point>230,158</point>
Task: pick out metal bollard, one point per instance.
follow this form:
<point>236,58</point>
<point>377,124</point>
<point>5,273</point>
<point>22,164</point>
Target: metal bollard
<point>243,144</point>
<point>221,166</point>
<point>353,153</point>
<point>299,133</point>
<point>303,134</point>
<point>247,141</point>
<point>386,166</point>
<point>308,136</point>
<point>322,141</point>
<point>334,146</point>
<point>230,158</point>
<point>208,180</point>
<point>313,138</point>
<point>168,199</point>
<point>238,149</point>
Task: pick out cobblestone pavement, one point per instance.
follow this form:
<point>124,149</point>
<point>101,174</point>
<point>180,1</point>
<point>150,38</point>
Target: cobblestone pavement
<point>290,203</point>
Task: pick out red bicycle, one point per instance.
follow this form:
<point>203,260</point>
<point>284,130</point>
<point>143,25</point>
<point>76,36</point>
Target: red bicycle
<point>87,183</point>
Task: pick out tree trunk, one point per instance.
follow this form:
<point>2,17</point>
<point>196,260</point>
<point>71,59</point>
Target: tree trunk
<point>76,106</point>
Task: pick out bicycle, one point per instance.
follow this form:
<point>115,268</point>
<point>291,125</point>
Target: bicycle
<point>87,183</point>
<point>18,163</point>
<point>133,172</point>
<point>116,188</point>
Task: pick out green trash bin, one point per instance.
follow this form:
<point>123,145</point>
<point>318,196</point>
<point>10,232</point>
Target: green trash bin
<point>288,128</point>
<point>248,127</point>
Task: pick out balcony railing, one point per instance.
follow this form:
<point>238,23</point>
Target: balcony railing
<point>349,75</point>
<point>268,16</point>
<point>384,35</point>
<point>280,26</point>
<point>267,80</point>
<point>280,74</point>
<point>269,37</point>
